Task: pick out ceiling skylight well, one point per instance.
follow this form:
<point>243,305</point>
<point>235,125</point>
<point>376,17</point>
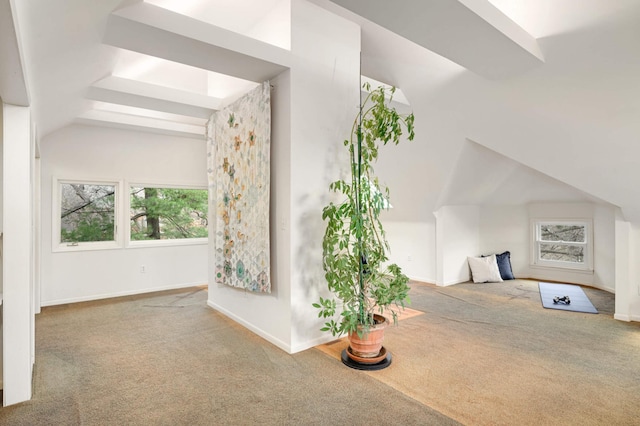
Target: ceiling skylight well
<point>265,20</point>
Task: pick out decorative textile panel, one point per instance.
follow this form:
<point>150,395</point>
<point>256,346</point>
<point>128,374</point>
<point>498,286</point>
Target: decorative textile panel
<point>238,144</point>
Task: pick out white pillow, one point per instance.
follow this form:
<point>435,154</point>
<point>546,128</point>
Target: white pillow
<point>484,269</point>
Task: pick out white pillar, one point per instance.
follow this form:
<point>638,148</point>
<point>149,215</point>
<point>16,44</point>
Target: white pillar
<point>18,317</point>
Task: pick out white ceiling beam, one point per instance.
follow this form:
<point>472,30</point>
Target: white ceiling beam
<point>471,33</point>
<point>155,31</point>
<point>138,123</point>
<point>139,94</point>
<point>13,83</point>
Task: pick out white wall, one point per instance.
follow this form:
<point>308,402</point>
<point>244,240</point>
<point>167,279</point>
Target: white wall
<point>602,217</point>
<point>1,228</point>
<point>506,227</point>
<point>604,240</point>
<point>325,93</point>
<point>86,152</point>
<point>313,108</point>
<point>413,248</point>
<point>268,315</point>
<point>463,231</point>
<point>627,269</point>
<point>581,105</point>
<point>17,308</point>
<point>457,237</point>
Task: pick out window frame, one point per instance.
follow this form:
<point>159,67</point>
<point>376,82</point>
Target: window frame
<point>56,226</point>
<point>537,261</point>
<point>129,243</point>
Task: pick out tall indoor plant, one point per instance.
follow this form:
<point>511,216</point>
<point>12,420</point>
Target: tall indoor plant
<point>354,244</point>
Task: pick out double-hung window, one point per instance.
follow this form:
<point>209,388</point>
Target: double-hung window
<point>563,244</point>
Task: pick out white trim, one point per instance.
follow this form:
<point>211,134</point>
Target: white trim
<point>121,294</point>
<point>326,338</point>
<point>279,343</point>
<point>421,279</point>
<point>622,317</point>
<point>129,243</point>
<point>535,262</point>
<point>166,243</point>
<point>567,269</point>
<point>56,245</point>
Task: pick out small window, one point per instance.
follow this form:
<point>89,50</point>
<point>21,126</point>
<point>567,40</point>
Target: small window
<point>563,244</point>
<point>158,213</point>
<point>87,212</point>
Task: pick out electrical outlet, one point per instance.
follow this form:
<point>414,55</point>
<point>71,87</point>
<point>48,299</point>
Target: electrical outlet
<point>143,269</point>
<point>409,258</point>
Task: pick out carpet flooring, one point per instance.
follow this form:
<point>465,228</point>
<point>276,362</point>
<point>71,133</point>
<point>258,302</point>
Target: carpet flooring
<point>168,359</point>
<point>475,354</point>
<point>490,354</point>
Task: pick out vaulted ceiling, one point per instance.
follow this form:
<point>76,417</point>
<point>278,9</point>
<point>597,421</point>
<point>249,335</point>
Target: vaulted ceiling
<point>159,66</point>
<point>166,65</point>
<point>519,77</point>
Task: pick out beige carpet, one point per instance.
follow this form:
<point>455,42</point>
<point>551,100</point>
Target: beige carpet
<point>490,354</point>
<point>168,359</point>
<point>479,354</point>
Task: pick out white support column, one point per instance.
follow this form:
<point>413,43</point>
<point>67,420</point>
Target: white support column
<point>18,317</point>
<point>627,273</point>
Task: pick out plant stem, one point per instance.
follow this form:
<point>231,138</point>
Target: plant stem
<point>361,296</point>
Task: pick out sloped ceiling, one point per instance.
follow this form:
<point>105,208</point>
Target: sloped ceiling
<point>472,33</point>
<point>164,65</point>
<point>13,87</point>
<point>572,117</point>
<point>522,77</point>
<point>157,66</point>
<point>481,176</point>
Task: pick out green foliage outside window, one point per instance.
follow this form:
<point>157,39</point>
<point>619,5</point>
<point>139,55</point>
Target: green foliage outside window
<point>168,213</point>
<point>87,213</point>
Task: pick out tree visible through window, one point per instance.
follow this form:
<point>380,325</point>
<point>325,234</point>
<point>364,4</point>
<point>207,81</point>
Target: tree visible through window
<point>557,242</point>
<point>563,244</point>
<point>87,212</point>
<point>168,213</point>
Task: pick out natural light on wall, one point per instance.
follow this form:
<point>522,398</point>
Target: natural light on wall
<point>158,71</point>
<point>264,20</point>
<point>545,18</point>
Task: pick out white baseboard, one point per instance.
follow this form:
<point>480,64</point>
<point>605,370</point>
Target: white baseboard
<point>627,318</point>
<point>422,279</point>
<point>448,283</point>
<point>279,343</point>
<point>119,294</point>
<point>313,343</point>
<point>622,317</point>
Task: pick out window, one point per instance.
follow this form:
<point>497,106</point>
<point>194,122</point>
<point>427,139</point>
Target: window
<point>87,214</point>
<point>563,244</point>
<point>160,213</point>
<point>376,196</point>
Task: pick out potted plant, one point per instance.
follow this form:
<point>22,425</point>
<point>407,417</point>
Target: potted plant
<point>354,244</point>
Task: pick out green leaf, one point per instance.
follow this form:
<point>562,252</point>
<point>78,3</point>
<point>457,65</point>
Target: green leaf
<point>354,231</point>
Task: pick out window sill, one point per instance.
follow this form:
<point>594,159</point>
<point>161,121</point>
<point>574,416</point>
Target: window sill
<point>69,247</point>
<point>563,269</point>
<point>167,243</point>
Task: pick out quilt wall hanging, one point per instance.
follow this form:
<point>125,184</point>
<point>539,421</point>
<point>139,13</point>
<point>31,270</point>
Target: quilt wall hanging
<point>238,149</point>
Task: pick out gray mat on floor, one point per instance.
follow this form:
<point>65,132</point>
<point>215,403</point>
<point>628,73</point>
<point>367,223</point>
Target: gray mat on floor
<point>579,301</point>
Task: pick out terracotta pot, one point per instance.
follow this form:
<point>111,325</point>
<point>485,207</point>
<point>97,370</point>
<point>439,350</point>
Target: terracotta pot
<point>370,344</point>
